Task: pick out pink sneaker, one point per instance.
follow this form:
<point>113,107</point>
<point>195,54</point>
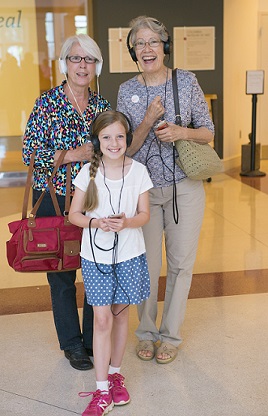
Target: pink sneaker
<point>117,388</point>
<point>101,403</point>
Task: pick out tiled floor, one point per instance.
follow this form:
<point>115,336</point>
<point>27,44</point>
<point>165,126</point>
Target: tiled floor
<point>221,369</point>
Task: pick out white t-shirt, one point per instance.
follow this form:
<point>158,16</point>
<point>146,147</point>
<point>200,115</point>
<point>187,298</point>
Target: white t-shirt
<point>121,196</point>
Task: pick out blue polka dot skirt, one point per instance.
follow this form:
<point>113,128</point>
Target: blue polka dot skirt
<point>124,283</point>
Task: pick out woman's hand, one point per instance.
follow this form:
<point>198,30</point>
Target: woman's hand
<point>82,153</point>
<point>155,111</point>
<point>171,133</point>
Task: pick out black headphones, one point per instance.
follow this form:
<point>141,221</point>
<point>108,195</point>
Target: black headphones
<point>167,43</point>
<point>95,140</point>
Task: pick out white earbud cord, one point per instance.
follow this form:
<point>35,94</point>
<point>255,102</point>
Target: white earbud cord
<point>79,109</point>
<point>76,102</point>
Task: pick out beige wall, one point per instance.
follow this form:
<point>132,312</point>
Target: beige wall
<point>263,5</point>
<point>240,55</point>
<point>19,80</point>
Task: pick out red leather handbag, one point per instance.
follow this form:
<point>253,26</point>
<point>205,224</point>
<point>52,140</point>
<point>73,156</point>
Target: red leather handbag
<point>44,244</point>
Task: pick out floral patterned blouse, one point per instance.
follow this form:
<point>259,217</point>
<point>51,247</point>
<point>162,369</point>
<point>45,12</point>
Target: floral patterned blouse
<point>54,124</point>
<point>133,100</point>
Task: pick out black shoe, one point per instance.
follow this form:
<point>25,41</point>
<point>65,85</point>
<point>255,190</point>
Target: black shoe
<point>89,352</point>
<point>79,358</point>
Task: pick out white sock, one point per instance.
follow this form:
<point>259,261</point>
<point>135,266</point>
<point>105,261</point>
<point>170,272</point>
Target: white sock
<point>113,370</point>
<point>102,385</point>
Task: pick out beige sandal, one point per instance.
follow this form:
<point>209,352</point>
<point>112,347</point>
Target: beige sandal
<point>147,346</point>
<point>168,349</point>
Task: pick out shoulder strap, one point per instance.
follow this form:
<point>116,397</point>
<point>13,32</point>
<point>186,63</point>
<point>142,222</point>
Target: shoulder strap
<point>176,97</point>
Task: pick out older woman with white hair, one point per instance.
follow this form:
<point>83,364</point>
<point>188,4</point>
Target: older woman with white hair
<point>61,119</point>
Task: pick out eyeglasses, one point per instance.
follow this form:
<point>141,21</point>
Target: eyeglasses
<point>76,59</point>
<point>153,43</point>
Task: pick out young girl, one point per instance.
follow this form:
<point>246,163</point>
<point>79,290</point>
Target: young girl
<point>111,204</point>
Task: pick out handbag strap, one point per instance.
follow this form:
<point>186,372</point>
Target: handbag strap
<point>28,186</point>
<point>176,97</point>
<point>50,187</point>
<point>68,189</point>
<point>177,121</point>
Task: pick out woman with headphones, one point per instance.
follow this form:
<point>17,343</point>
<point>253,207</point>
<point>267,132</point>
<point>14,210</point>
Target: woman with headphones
<point>111,204</point>
<point>176,202</point>
<point>61,119</point>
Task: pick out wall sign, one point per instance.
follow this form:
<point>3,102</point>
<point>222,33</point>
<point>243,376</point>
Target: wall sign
<point>119,58</point>
<point>194,47</point>
<point>255,82</point>
<point>11,21</point>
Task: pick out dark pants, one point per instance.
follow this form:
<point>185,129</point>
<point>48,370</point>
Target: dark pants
<point>63,295</point>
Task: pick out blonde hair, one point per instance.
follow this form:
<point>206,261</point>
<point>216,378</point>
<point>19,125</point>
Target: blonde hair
<point>91,200</point>
<point>102,121</point>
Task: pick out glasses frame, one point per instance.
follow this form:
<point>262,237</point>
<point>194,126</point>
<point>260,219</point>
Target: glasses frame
<point>139,48</point>
<point>92,60</point>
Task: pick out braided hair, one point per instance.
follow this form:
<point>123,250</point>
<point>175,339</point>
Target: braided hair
<point>91,197</point>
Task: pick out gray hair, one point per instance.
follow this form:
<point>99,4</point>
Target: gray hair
<point>87,44</point>
<point>145,22</point>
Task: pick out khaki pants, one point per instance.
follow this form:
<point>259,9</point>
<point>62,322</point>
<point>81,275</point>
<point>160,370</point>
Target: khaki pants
<point>181,241</point>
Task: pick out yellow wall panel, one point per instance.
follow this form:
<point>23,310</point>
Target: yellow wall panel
<point>19,74</point>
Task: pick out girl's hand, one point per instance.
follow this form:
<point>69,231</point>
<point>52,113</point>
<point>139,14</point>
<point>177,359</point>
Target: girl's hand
<point>102,224</point>
<point>116,224</point>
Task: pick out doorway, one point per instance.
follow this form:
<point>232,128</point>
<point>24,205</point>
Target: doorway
<point>262,121</point>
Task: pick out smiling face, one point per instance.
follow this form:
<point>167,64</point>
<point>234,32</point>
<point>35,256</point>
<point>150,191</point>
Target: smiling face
<point>80,74</point>
<point>151,59</point>
<point>113,141</point>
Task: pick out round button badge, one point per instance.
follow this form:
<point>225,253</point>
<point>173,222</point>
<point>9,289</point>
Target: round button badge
<point>135,99</point>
